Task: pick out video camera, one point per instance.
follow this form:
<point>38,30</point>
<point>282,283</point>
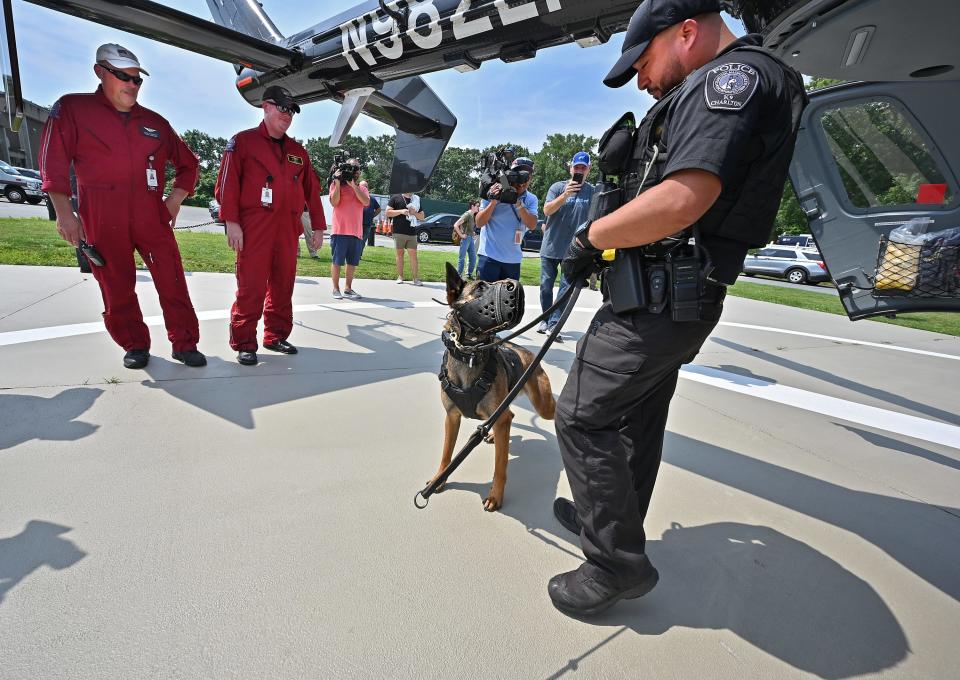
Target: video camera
<point>494,168</point>
<point>348,171</point>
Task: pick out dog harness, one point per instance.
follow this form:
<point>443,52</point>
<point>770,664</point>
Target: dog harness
<point>467,398</point>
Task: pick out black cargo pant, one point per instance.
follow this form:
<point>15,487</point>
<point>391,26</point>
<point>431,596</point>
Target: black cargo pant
<point>610,422</point>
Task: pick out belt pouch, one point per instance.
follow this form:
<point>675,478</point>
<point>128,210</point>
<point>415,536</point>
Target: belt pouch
<point>685,288</point>
<point>607,198</point>
<point>626,283</point>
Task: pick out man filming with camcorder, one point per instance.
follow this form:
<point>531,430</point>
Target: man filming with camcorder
<point>507,209</point>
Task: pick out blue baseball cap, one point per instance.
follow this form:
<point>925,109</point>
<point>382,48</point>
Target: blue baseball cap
<point>580,158</point>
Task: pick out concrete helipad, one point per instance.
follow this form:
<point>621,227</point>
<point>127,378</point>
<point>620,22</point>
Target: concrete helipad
<point>233,522</point>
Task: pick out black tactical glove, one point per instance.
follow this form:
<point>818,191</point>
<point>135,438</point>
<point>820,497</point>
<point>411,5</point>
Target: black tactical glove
<point>581,258</point>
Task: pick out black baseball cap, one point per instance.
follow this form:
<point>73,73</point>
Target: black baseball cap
<point>652,17</point>
<point>281,97</point>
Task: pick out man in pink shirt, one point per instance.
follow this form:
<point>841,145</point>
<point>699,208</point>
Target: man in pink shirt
<point>348,199</point>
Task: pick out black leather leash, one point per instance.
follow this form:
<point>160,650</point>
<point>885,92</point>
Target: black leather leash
<point>483,429</point>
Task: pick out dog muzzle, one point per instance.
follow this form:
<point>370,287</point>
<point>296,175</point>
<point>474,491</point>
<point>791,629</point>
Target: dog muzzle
<point>494,307</point>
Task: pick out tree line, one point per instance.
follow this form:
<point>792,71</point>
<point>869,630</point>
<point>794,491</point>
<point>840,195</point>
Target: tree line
<point>457,174</point>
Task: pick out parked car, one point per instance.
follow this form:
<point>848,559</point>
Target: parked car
<point>32,174</point>
<point>533,238</point>
<point>17,187</point>
<point>799,240</point>
<point>28,172</point>
<point>437,227</point>
<point>214,208</point>
<point>796,265</point>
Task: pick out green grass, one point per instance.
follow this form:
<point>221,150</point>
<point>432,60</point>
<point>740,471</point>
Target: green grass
<point>36,242</point>
<point>936,322</point>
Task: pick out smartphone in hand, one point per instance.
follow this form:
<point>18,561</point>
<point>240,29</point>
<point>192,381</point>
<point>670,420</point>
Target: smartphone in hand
<point>578,177</point>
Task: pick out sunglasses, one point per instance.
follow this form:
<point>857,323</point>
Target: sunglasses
<point>124,77</point>
<point>282,109</point>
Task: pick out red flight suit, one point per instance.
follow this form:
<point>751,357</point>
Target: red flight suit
<point>267,265</point>
<point>111,153</point>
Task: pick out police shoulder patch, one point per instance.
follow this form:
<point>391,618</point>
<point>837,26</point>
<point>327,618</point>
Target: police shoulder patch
<point>55,111</point>
<point>730,86</point>
<point>232,144</point>
<point>296,160</point>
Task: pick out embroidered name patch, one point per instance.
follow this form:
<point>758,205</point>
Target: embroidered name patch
<point>296,160</point>
<point>730,86</point>
<point>150,132</point>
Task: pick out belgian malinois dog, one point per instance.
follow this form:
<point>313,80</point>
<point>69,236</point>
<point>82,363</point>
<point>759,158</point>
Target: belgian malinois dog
<point>479,381</point>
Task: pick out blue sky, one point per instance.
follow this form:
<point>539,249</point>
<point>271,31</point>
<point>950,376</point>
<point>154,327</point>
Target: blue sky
<point>558,91</point>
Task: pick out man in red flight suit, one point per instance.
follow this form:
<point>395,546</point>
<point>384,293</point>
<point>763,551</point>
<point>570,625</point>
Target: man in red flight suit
<point>119,151</point>
<point>265,179</point>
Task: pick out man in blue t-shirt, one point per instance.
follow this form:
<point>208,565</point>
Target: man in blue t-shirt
<point>566,207</point>
<point>502,226</point>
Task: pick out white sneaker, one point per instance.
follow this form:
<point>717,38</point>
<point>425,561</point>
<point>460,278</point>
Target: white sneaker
<point>399,279</point>
<point>352,294</point>
<point>337,295</point>
<point>417,282</point>
<point>542,328</point>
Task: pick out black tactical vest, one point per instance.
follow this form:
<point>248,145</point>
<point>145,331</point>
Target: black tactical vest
<point>742,216</point>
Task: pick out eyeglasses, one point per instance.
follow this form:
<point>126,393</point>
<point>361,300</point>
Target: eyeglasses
<point>281,109</point>
<point>124,77</point>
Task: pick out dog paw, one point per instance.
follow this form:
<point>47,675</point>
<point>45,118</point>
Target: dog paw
<point>489,438</point>
<point>492,503</point>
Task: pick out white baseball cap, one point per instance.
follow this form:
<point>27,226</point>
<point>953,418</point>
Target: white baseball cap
<point>119,57</point>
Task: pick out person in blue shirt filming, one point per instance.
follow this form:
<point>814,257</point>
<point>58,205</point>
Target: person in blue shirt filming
<point>502,226</point>
<point>566,207</point>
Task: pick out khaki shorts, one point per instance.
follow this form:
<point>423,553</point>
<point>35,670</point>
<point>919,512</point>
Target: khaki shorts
<point>405,241</point>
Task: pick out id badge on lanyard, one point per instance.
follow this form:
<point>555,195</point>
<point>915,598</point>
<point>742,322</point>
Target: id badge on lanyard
<point>266,194</point>
<point>152,183</point>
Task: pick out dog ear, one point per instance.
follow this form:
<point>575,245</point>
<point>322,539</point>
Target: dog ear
<point>454,284</point>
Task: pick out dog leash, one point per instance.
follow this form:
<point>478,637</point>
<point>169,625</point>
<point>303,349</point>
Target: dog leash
<point>483,429</point>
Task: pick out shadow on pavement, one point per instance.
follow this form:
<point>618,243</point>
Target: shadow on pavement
<point>840,381</point>
<point>892,444</point>
<point>280,379</point>
<point>775,592</point>
<point>24,418</point>
<point>38,545</point>
<point>923,538</point>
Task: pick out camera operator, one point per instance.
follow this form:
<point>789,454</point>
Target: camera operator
<point>566,207</point>
<point>502,226</point>
<point>348,199</point>
<point>681,223</point>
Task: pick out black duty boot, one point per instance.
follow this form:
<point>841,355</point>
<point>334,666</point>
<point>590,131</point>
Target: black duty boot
<point>191,358</point>
<point>566,513</point>
<point>136,358</point>
<point>247,357</point>
<point>281,346</point>
<point>589,590</point>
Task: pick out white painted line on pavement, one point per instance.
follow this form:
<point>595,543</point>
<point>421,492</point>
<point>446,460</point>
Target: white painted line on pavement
<point>877,418</point>
<point>846,341</point>
<point>870,416</point>
<point>53,332</point>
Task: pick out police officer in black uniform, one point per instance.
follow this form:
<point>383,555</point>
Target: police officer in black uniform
<point>699,182</point>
